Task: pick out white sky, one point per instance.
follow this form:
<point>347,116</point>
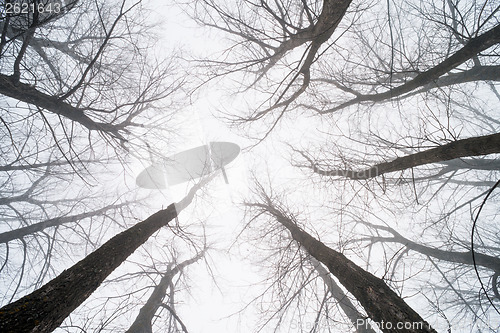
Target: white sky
<point>209,307</point>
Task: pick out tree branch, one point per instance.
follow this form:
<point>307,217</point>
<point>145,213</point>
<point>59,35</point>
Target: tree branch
<point>45,309</point>
<point>29,94</point>
<point>476,146</point>
<point>473,47</point>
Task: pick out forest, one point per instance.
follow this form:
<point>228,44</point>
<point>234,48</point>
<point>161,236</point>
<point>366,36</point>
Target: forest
<point>361,193</point>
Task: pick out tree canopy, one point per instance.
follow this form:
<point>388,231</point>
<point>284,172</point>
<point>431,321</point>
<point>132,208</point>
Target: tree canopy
<point>365,198</point>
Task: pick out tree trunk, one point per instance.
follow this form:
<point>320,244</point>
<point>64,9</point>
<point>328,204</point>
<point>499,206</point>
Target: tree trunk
<point>45,309</point>
<point>142,323</point>
<point>19,233</point>
<point>482,145</point>
<point>471,49</point>
<point>344,302</point>
<point>381,304</point>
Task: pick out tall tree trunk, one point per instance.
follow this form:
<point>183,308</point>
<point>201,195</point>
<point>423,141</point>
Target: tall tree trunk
<point>142,323</point>
<point>344,302</point>
<point>482,145</point>
<point>45,309</point>
<point>381,304</point>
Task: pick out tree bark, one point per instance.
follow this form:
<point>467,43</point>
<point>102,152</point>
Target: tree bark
<point>477,146</point>
<point>344,302</point>
<point>45,309</point>
<point>381,304</point>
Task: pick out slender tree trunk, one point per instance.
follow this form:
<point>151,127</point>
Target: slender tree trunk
<point>482,145</point>
<point>26,93</point>
<point>465,258</point>
<point>471,49</point>
<point>19,233</point>
<point>142,323</point>
<point>381,304</point>
<point>476,73</point>
<point>45,309</point>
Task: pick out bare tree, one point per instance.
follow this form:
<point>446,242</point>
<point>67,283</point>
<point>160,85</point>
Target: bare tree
<point>78,91</point>
<point>404,93</point>
<point>380,302</point>
<point>404,97</point>
<point>143,321</point>
<point>45,309</point>
<point>489,144</point>
<point>326,71</point>
<point>87,64</point>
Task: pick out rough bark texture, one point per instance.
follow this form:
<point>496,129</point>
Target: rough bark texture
<point>45,309</point>
<point>142,323</point>
<point>344,302</point>
<point>472,48</point>
<point>381,304</point>
<point>477,146</point>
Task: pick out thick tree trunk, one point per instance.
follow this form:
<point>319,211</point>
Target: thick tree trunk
<point>142,323</point>
<point>381,304</point>
<point>44,309</point>
<point>477,146</point>
<point>344,302</point>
